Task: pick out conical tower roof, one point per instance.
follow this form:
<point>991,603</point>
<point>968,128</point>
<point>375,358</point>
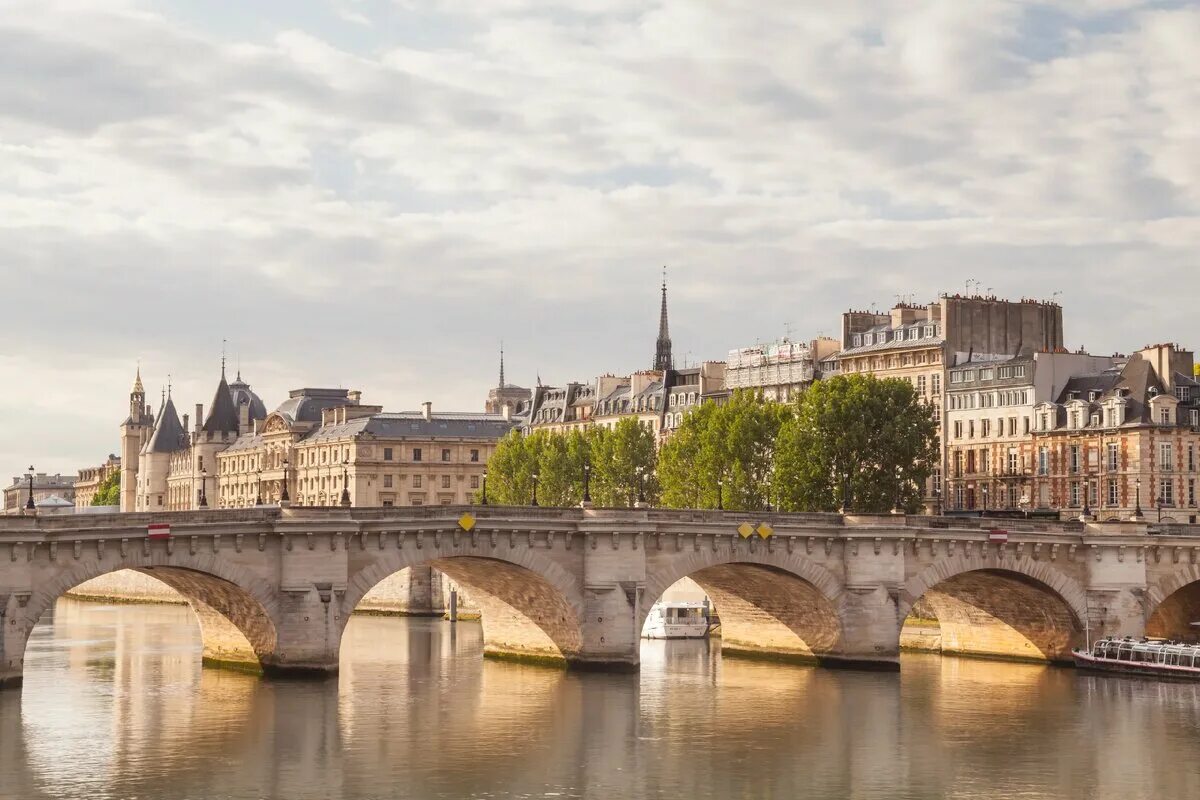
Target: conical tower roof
<point>168,436</point>
<point>222,413</point>
<point>137,382</point>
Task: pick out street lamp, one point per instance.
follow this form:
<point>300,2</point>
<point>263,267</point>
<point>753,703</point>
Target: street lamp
<point>484,500</point>
<point>641,479</point>
<point>985,498</point>
<point>283,493</point>
<point>204,488</point>
<point>535,479</point>
<point>896,496</point>
<point>720,494</point>
<point>937,500</point>
<point>1137,508</point>
<point>587,482</point>
<point>258,486</point>
<point>345,489</point>
<point>29,476</point>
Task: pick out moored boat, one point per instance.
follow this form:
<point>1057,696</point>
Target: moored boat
<point>680,620</point>
<point>1154,657</point>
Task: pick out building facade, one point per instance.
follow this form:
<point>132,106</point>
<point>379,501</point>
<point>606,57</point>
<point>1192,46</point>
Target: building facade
<point>90,478</point>
<point>989,419</point>
<point>921,343</point>
<point>780,370</point>
<point>1123,443</point>
<point>16,494</point>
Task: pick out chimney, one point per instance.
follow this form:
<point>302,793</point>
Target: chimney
<point>507,412</point>
<point>243,417</point>
<point>199,416</point>
<point>185,422</point>
<point>355,396</point>
<point>427,410</point>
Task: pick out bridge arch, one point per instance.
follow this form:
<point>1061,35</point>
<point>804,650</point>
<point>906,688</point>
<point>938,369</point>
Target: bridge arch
<point>531,607</point>
<point>771,602</point>
<point>1173,604</point>
<point>1008,607</point>
<point>235,609</point>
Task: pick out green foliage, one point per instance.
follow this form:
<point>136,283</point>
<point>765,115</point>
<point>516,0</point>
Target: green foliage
<point>731,443</point>
<point>108,493</point>
<point>558,460</point>
<point>856,435</point>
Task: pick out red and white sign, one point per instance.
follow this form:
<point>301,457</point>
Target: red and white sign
<point>158,530</point>
<point>997,535</point>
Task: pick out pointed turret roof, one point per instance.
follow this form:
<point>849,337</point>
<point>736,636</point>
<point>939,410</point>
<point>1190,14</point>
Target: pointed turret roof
<point>222,413</point>
<point>137,382</point>
<point>168,436</point>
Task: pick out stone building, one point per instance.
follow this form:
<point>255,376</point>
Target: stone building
<point>920,343</point>
<point>1122,443</point>
<point>989,420</point>
<point>333,450</point>
<point>16,494</point>
<point>90,479</point>
<point>507,396</point>
<point>780,370</point>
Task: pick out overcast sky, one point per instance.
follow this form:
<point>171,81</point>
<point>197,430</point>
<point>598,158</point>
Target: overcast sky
<point>374,193</point>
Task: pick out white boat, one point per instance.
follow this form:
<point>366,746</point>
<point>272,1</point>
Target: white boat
<point>1142,657</point>
<point>678,620</point>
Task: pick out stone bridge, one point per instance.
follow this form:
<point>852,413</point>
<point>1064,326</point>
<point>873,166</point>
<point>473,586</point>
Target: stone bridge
<point>274,587</point>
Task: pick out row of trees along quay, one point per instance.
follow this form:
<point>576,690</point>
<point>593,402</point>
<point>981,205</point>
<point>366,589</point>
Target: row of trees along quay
<point>848,442</point>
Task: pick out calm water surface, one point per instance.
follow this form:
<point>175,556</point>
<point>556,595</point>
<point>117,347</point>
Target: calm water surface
<point>115,705</point>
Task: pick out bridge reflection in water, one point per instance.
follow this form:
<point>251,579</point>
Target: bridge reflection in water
<point>116,704</point>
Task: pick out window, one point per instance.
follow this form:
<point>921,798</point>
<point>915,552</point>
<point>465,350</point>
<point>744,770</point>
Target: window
<point>417,481</point>
<point>958,464</point>
<point>474,481</point>
<point>1113,460</point>
<point>1043,461</point>
<point>1013,462</point>
<point>956,377</point>
<point>970,429</point>
<point>936,383</point>
<point>958,428</point>
<point>416,454</point>
<point>986,374</point>
<point>417,501</point>
<point>1004,372</point>
<point>1195,415</point>
<point>1114,495</point>
<point>474,455</point>
<point>1012,426</point>
<point>387,481</point>
<point>1093,494</point>
<point>1073,458</point>
<point>387,454</point>
<point>1166,491</point>
<point>921,385</point>
<point>445,454</point>
<point>1165,461</point>
<point>985,427</point>
<point>1191,491</point>
<point>445,481</point>
<point>1183,393</point>
<point>1074,495</point>
<point>858,340</point>
<point>1191,458</point>
<point>388,503</point>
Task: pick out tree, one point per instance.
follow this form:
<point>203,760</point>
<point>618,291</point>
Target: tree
<point>510,470</point>
<point>858,440</point>
<point>617,456</point>
<point>108,493</point>
<point>732,444</point>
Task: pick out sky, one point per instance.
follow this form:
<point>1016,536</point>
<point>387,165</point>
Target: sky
<point>374,194</point>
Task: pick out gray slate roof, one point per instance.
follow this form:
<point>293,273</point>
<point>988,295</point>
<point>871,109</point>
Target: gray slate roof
<point>168,436</point>
<point>222,413</point>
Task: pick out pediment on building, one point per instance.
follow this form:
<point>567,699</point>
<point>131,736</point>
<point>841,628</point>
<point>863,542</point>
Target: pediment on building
<point>276,424</point>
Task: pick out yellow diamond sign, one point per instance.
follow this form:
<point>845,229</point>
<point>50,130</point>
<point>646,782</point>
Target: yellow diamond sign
<point>745,530</point>
<point>466,521</point>
<point>764,530</point>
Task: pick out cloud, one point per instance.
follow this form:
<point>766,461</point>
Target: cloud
<point>375,193</point>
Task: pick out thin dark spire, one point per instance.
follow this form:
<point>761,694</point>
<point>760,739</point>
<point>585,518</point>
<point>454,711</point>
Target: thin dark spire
<point>501,363</point>
<point>662,347</point>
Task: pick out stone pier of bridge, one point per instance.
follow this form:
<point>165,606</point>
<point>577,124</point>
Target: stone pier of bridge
<point>273,588</point>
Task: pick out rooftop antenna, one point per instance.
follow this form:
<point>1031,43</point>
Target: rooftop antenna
<point>222,357</point>
<point>168,385</point>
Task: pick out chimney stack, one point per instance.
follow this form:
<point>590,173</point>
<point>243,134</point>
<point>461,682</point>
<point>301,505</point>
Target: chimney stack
<point>507,412</point>
<point>185,422</point>
<point>427,410</point>
<point>199,417</point>
<point>243,418</point>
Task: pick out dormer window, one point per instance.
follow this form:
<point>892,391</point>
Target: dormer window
<point>858,340</point>
<point>928,330</point>
<point>1093,395</point>
<point>1183,393</point>
<point>868,339</point>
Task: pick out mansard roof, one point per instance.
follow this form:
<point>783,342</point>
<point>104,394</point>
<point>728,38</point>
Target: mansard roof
<point>168,436</point>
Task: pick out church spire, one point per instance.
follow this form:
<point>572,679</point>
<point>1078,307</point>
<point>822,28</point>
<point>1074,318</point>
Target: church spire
<point>501,384</point>
<point>662,348</point>
<point>137,381</point>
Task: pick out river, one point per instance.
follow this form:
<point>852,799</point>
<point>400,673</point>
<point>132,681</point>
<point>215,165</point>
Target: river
<point>116,706</point>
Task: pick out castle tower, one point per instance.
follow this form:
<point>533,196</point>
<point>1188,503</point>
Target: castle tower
<point>135,432</point>
<point>154,464</point>
<point>662,348</point>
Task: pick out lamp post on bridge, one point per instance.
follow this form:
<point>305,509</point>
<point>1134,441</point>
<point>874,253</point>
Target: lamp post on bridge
<point>587,484</point>
<point>283,492</point>
<point>203,488</point>
<point>535,480</point>
<point>258,486</point>
<point>1137,508</point>
<point>483,500</point>
<point>345,488</point>
<point>29,504</point>
<point>641,481</point>
<point>720,494</point>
